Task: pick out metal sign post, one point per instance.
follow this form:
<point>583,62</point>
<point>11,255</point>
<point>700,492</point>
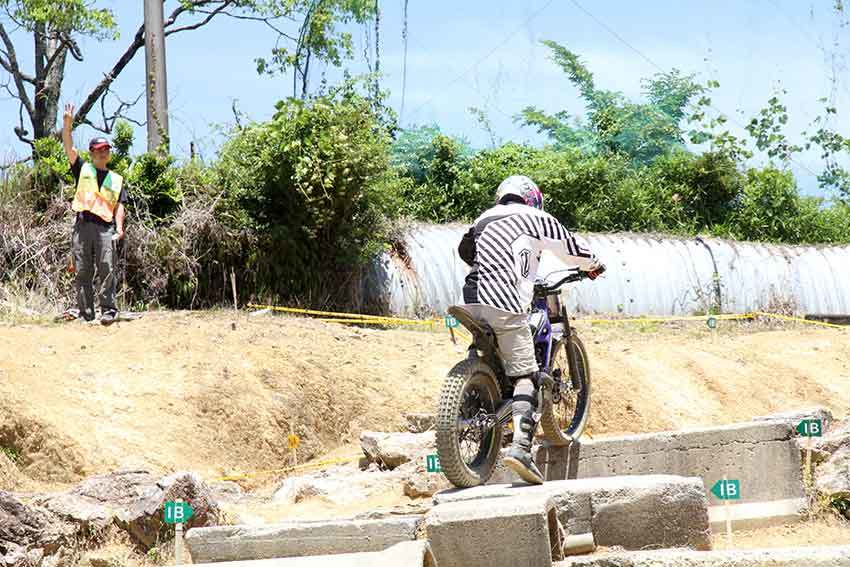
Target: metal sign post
<point>727,490</point>
<point>809,428</point>
<point>176,513</point>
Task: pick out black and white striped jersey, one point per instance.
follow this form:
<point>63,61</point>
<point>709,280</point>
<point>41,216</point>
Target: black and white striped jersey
<point>504,246</point>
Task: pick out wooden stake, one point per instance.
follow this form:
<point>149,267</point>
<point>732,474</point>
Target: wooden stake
<point>235,300</point>
<point>809,462</point>
<point>294,454</point>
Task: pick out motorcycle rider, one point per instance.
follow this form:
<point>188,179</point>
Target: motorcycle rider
<point>503,247</point>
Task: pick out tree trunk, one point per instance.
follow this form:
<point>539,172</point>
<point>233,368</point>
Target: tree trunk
<point>39,102</point>
<point>53,82</point>
<point>50,54</point>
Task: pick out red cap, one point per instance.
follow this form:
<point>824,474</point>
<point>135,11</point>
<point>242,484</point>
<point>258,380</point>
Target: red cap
<point>99,144</point>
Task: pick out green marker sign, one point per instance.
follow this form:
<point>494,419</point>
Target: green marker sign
<point>177,512</point>
<point>727,489</point>
<point>432,463</point>
<point>452,322</point>
<point>711,322</point>
<point>810,428</point>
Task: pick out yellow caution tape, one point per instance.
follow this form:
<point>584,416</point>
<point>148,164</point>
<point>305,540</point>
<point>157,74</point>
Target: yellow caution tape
<point>306,466</point>
<point>346,316</point>
<point>730,316</point>
<point>800,320</point>
<point>388,321</point>
<point>360,318</point>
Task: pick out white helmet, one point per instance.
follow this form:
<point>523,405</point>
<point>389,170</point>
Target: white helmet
<point>522,187</point>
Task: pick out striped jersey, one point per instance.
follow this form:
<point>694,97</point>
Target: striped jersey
<point>504,246</point>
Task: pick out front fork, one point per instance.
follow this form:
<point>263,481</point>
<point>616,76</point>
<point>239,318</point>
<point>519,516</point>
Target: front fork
<point>572,360</point>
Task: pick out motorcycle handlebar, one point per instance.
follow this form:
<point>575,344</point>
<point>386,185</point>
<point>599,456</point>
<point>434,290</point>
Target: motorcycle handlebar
<point>577,275</point>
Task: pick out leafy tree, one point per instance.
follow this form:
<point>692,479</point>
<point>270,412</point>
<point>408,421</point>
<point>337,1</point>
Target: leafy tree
<point>641,131</point>
<point>56,27</point>
<point>315,186</point>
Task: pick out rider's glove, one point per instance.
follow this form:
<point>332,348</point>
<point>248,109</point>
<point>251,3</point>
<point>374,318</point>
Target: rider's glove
<point>596,272</point>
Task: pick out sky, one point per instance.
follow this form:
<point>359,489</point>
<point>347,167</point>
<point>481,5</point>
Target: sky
<point>487,54</point>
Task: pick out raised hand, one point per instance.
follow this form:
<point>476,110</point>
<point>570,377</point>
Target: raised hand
<point>68,117</point>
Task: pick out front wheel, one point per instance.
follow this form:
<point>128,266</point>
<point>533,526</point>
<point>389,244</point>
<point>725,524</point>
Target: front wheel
<point>566,409</point>
<point>468,437</point>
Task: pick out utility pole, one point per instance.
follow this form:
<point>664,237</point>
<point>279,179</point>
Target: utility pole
<point>155,83</point>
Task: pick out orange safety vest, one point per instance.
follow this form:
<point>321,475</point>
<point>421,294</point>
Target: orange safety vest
<point>100,201</point>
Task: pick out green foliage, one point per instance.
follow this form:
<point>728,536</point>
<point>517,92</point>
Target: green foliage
<point>767,130</point>
<point>706,187</point>
<point>770,207</point>
<point>152,180</point>
<point>314,183</point>
<point>11,453</point>
<point>713,128</point>
<point>319,36</point>
<point>614,125</point>
<point>122,141</point>
<point>50,174</point>
<point>65,16</point>
<point>414,150</point>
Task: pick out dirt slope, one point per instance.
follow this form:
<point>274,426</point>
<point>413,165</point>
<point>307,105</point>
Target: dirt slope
<point>185,391</point>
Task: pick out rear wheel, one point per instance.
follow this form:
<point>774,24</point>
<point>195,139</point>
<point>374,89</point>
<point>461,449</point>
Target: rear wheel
<point>468,438</point>
<point>566,410</point>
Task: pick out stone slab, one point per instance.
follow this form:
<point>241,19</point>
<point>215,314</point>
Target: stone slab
<point>406,554</point>
<point>829,556</point>
<point>296,539</point>
<point>633,512</point>
<point>764,456</point>
<point>496,532</point>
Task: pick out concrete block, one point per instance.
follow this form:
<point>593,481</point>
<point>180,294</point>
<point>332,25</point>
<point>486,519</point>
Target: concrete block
<point>498,532</point>
<point>633,512</point>
<point>763,455</point>
<point>406,554</point>
<point>830,556</point>
<point>297,538</point>
<point>794,417</point>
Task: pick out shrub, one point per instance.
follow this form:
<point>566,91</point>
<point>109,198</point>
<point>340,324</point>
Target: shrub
<point>314,184</point>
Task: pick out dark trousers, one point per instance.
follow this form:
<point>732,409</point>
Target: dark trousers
<point>94,254</point>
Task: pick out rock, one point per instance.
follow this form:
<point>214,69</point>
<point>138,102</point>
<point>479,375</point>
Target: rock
<point>835,438</point>
<point>832,479</point>
<point>226,491</point>
<point>419,483</point>
<point>339,485</point>
<point>394,449</point>
<point>794,417</point>
<point>134,501</point>
<point>28,533</point>
<point>10,477</point>
<point>420,422</point>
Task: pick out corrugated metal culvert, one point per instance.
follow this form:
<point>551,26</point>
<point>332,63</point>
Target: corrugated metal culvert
<point>647,275</point>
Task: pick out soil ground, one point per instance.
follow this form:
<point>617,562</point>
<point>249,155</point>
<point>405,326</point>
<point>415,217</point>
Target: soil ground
<point>185,390</point>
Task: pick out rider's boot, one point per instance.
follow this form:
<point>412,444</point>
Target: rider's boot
<point>519,458</point>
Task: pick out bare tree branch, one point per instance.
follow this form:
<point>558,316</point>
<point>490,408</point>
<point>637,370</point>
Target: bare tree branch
<point>267,21</point>
<point>20,131</point>
<point>103,85</point>
<point>6,166</point>
<point>73,46</point>
<point>11,65</point>
<point>200,23</point>
<point>125,58</point>
<point>109,121</point>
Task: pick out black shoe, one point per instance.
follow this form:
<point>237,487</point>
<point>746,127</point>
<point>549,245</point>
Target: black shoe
<point>108,317</point>
<point>519,460</point>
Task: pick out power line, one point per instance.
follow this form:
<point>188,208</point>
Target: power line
<point>488,54</point>
<point>654,64</point>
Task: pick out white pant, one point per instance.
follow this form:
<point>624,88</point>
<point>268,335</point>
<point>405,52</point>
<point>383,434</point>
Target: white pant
<point>515,344</point>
